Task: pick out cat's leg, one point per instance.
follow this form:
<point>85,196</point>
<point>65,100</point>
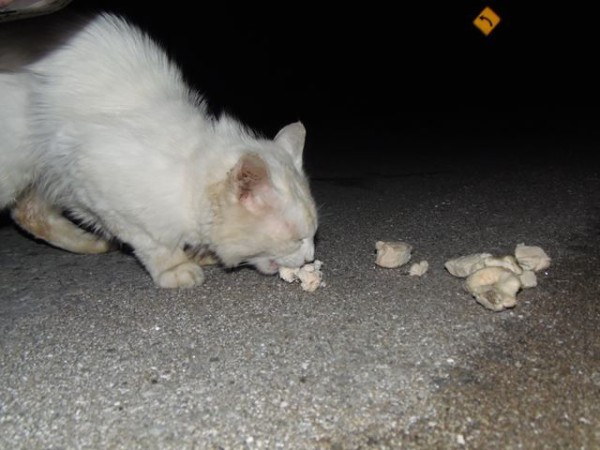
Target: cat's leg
<point>201,256</point>
<point>206,259</point>
<point>46,222</point>
<point>169,268</point>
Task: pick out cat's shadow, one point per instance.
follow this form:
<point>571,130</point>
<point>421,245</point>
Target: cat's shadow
<point>5,219</point>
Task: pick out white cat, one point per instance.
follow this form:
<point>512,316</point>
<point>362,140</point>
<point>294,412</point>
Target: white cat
<point>97,122</point>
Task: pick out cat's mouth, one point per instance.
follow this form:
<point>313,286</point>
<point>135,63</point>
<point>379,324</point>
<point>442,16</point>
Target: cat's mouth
<point>267,266</point>
<point>273,266</point>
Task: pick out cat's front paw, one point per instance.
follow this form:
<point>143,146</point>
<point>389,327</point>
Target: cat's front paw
<point>184,275</point>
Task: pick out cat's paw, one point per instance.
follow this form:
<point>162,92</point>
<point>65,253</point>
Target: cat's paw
<point>184,275</point>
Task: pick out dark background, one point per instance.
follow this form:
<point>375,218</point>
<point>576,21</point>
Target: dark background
<point>377,78</point>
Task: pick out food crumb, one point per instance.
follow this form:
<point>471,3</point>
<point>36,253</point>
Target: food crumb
<point>392,254</point>
<point>309,275</point>
<point>418,269</point>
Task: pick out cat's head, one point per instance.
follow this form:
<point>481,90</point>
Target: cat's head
<point>264,214</point>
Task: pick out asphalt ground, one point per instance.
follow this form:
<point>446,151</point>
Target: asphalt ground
<point>93,355</point>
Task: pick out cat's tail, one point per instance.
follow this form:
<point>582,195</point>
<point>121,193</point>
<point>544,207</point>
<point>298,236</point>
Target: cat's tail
<point>44,221</point>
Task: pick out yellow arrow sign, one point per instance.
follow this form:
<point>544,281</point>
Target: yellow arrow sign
<point>486,21</point>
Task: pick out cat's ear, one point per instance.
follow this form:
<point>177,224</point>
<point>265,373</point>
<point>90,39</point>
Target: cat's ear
<point>292,137</point>
<point>251,182</point>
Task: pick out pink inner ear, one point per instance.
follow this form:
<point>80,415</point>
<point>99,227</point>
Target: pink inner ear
<point>251,172</point>
<point>251,180</point>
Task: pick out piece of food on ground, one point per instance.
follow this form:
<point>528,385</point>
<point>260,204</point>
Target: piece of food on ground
<point>392,254</point>
<point>310,275</point>
<point>494,287</point>
<point>532,257</point>
<point>528,279</point>
<point>495,281</point>
<point>465,265</point>
<point>418,269</point>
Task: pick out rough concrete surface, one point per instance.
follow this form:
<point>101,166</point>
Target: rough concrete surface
<point>93,355</point>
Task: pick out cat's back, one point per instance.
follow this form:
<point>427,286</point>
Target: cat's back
<point>103,61</point>
<point>109,44</point>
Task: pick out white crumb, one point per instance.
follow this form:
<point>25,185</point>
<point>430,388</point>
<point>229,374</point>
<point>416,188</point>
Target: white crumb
<point>465,265</point>
<point>507,262</point>
<point>418,269</point>
<point>528,279</point>
<point>288,274</point>
<point>532,257</point>
<point>494,287</point>
<point>392,254</point>
<point>309,275</point>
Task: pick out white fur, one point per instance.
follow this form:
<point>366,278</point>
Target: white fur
<point>103,126</point>
<point>16,165</point>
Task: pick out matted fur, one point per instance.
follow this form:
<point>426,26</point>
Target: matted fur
<point>96,121</point>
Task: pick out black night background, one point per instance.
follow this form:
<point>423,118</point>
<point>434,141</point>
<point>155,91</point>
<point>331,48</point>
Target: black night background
<point>376,81</point>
